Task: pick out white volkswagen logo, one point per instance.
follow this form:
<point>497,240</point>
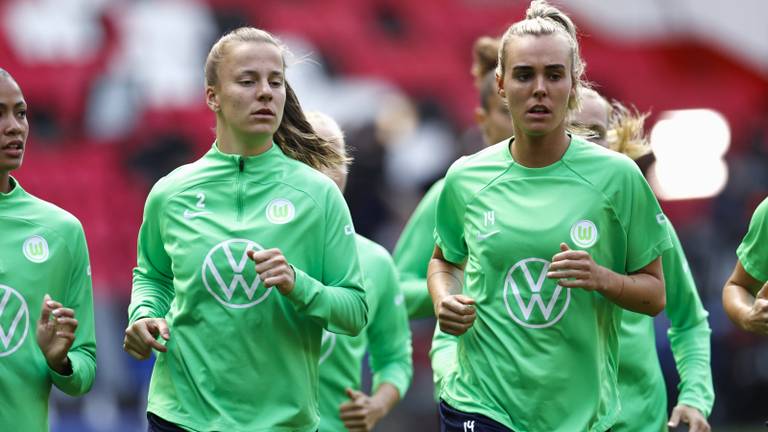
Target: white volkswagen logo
<point>223,274</point>
<point>326,345</point>
<point>13,313</point>
<point>538,303</point>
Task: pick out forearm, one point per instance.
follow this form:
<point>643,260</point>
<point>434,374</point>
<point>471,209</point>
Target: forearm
<point>639,292</point>
<point>385,398</point>
<point>443,279</point>
<point>417,298</point>
<point>691,350</point>
<point>737,302</point>
<point>342,310</point>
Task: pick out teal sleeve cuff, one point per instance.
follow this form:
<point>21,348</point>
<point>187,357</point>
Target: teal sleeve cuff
<point>417,298</point>
<point>398,374</point>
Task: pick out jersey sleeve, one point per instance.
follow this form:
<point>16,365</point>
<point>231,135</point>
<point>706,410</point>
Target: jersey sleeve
<point>753,252</point>
<point>449,220</point>
<point>689,332</point>
<point>412,254</point>
<point>443,357</point>
<point>79,297</point>
<point>338,300</point>
<point>389,335</point>
<point>152,278</point>
<point>642,220</point>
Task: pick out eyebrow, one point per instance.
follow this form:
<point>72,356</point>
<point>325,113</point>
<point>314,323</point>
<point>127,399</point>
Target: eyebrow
<point>549,67</point>
<point>255,72</point>
<point>20,104</point>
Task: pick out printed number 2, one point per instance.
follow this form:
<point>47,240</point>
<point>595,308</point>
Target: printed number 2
<point>201,200</point>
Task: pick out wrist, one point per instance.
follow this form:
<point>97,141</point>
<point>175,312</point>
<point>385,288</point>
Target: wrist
<point>61,366</point>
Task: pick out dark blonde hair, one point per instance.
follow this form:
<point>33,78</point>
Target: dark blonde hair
<point>541,18</point>
<point>485,55</point>
<point>295,135</point>
<point>626,132</point>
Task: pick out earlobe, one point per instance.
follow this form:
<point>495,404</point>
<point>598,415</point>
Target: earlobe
<point>212,100</point>
<point>500,86</point>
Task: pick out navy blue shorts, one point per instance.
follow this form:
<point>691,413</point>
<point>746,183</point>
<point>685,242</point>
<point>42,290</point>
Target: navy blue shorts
<point>157,424</point>
<point>453,420</point>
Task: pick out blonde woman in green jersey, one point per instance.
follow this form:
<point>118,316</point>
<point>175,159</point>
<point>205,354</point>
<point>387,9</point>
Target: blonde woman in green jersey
<point>239,341</point>
<point>387,337</point>
<point>535,255</point>
<point>745,296</point>
<point>641,383</point>
<point>44,266</point>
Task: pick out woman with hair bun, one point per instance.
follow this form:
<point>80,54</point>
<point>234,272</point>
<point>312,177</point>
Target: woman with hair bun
<point>541,242</point>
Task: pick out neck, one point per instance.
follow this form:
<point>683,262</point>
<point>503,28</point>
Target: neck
<point>537,151</point>
<point>250,145</point>
<point>5,182</point>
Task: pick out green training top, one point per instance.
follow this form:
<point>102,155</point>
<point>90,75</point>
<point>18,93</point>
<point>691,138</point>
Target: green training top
<point>540,357</point>
<point>387,337</point>
<point>414,250</point>
<point>42,251</point>
<point>752,252</point>
<point>641,383</point>
<point>240,356</point>
<point>412,254</point>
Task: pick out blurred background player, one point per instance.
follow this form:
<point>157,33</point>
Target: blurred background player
<point>44,266</point>
<point>386,337</point>
<point>255,330</point>
<point>642,389</point>
<point>745,296</point>
<point>546,324</point>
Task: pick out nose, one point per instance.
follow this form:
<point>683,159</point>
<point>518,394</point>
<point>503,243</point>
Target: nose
<point>540,87</point>
<point>264,91</point>
<point>10,125</point>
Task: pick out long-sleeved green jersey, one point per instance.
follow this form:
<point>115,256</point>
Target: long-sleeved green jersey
<point>642,390</point>
<point>387,338</point>
<point>242,356</point>
<point>42,251</point>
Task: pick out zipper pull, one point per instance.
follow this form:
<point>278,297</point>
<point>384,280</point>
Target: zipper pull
<point>242,163</point>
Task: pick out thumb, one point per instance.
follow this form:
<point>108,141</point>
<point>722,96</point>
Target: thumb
<point>163,328</point>
<point>564,247</point>
<point>251,253</point>
<point>45,311</point>
<point>464,299</point>
<point>353,394</point>
<point>674,419</point>
<point>763,293</point>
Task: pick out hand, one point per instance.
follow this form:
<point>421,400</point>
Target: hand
<point>273,269</point>
<point>456,314</point>
<point>55,336</point>
<point>756,320</point>
<point>690,415</point>
<point>577,269</point>
<point>361,413</point>
<point>140,337</point>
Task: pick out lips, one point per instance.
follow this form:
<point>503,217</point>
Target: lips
<point>539,109</point>
<point>263,112</point>
<point>13,148</point>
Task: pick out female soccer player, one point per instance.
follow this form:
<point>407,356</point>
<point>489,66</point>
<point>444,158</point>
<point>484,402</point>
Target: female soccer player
<point>44,266</point>
<point>745,296</point>
<point>541,226</point>
<point>241,343</point>
<point>416,243</point>
<point>387,335</point>
<point>641,384</point>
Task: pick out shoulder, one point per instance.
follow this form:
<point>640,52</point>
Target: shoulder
<point>372,252</point>
<point>179,179</point>
<point>472,172</point>
<point>55,218</point>
<point>603,168</point>
<point>761,212</point>
<point>314,184</point>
